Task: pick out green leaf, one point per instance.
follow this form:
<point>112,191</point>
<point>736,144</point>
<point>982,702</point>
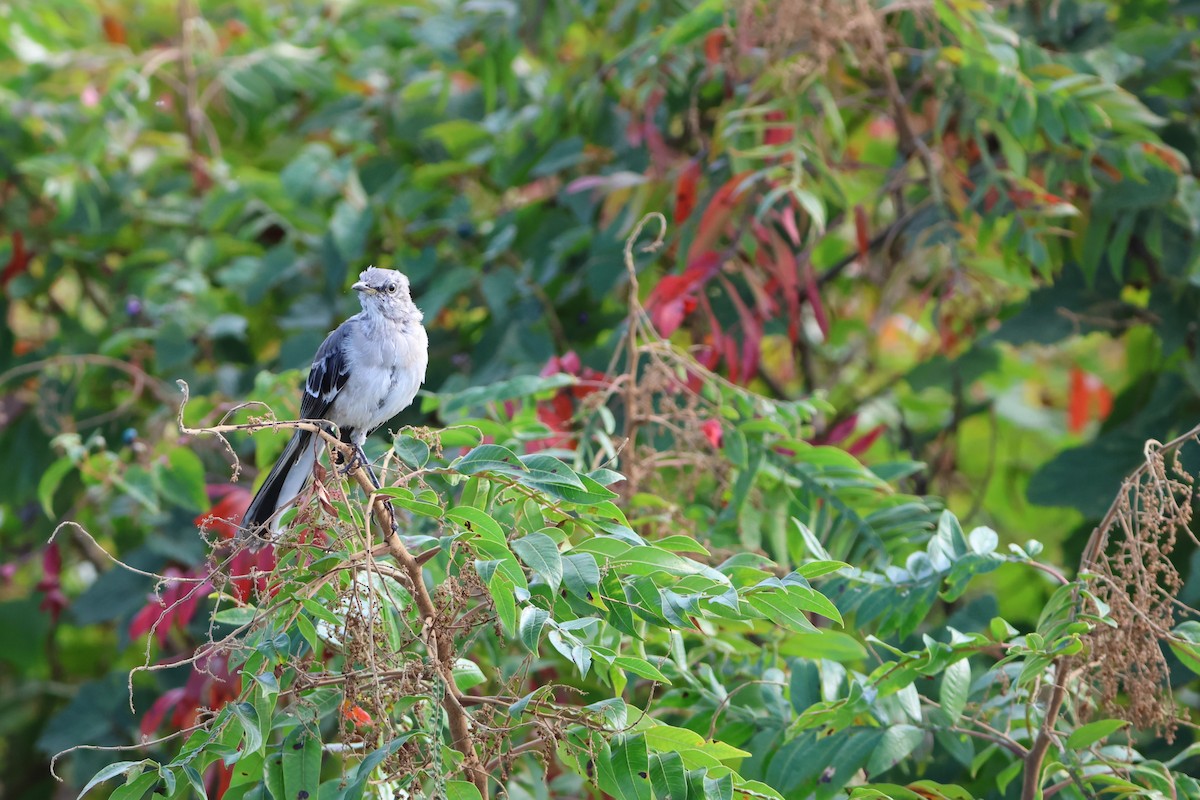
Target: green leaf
<point>462,790</point>
<point>956,683</point>
<point>831,645</point>
<point>113,770</point>
<point>182,479</point>
<point>640,667</point>
<point>137,788</point>
<point>1085,736</point>
<point>273,774</point>
<point>782,609</point>
<point>362,773</point>
<point>1185,644</point>
<point>815,569</point>
<point>301,764</point>
<point>897,743</point>
<point>1006,775</point>
<point>269,683</point>
<point>239,616</point>
<point>581,574</point>
<point>681,544</point>
<point>648,559</point>
<point>489,458</point>
<point>467,674</point>
<point>49,483</point>
<point>631,766</point>
<point>668,738</point>
<point>620,615</point>
<point>533,619</point>
<point>811,542</point>
<point>411,450</point>
<point>518,708</point>
<point>248,717</point>
<point>950,535</point>
<point>194,780</point>
<point>478,522</point>
<point>540,553</point>
<point>698,21</point>
<point>543,470</point>
<point>503,592</point>
<point>667,776</point>
<point>810,599</point>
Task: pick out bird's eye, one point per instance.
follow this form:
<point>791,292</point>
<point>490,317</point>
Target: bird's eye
<point>391,287</point>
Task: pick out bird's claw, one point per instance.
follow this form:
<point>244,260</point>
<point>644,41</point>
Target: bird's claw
<point>357,460</point>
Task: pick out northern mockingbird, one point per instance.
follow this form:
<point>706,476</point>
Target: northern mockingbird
<point>365,372</point>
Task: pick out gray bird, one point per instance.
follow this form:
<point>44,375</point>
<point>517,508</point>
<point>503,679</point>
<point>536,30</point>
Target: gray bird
<point>365,372</point>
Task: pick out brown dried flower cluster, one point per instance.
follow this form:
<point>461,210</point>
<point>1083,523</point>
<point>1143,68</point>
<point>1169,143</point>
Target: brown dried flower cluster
<point>1129,568</point>
<point>803,37</point>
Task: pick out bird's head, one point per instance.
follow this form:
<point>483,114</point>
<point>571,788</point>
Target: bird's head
<point>386,291</point>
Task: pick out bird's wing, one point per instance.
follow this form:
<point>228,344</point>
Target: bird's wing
<point>328,373</point>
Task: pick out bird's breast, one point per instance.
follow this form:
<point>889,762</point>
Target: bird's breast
<point>386,371</point>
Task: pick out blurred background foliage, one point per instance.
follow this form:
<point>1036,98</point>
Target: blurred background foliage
<point>966,238</point>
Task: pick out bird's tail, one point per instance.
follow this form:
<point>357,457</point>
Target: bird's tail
<point>287,479</point>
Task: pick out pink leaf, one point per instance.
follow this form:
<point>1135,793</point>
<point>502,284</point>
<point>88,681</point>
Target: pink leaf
<point>153,718</point>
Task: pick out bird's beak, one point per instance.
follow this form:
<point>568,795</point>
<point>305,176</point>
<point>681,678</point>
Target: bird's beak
<point>362,287</point>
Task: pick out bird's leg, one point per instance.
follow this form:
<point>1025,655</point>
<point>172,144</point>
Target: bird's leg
<point>375,482</point>
<point>359,459</point>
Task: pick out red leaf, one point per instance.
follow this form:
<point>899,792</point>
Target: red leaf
<point>1165,155</point>
<point>1088,399</point>
<point>189,597</point>
<point>751,352</point>
<point>51,567</point>
<point>152,720</point>
<point>778,134</point>
<point>862,232</point>
<point>18,262</point>
<point>713,44</point>
<point>863,443</point>
<point>144,620</point>
<point>50,584</point>
<point>569,363</point>
<point>716,215</point>
<point>114,30</point>
<point>712,431</point>
<point>356,714</point>
<point>840,430</point>
<point>226,513</point>
<point>1077,402</point>
<point>54,602</point>
<point>217,778</point>
<point>674,296</point>
<point>686,190</point>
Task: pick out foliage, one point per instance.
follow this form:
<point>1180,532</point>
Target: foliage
<point>927,265</point>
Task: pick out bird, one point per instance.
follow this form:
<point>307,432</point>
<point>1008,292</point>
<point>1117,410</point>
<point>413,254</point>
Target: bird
<point>367,371</point>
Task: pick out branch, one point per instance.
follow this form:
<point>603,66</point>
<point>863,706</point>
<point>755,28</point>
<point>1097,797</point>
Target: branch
<point>438,640</point>
<point>1037,753</point>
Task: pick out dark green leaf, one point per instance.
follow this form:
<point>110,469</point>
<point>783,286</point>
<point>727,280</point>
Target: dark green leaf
<point>301,764</point>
